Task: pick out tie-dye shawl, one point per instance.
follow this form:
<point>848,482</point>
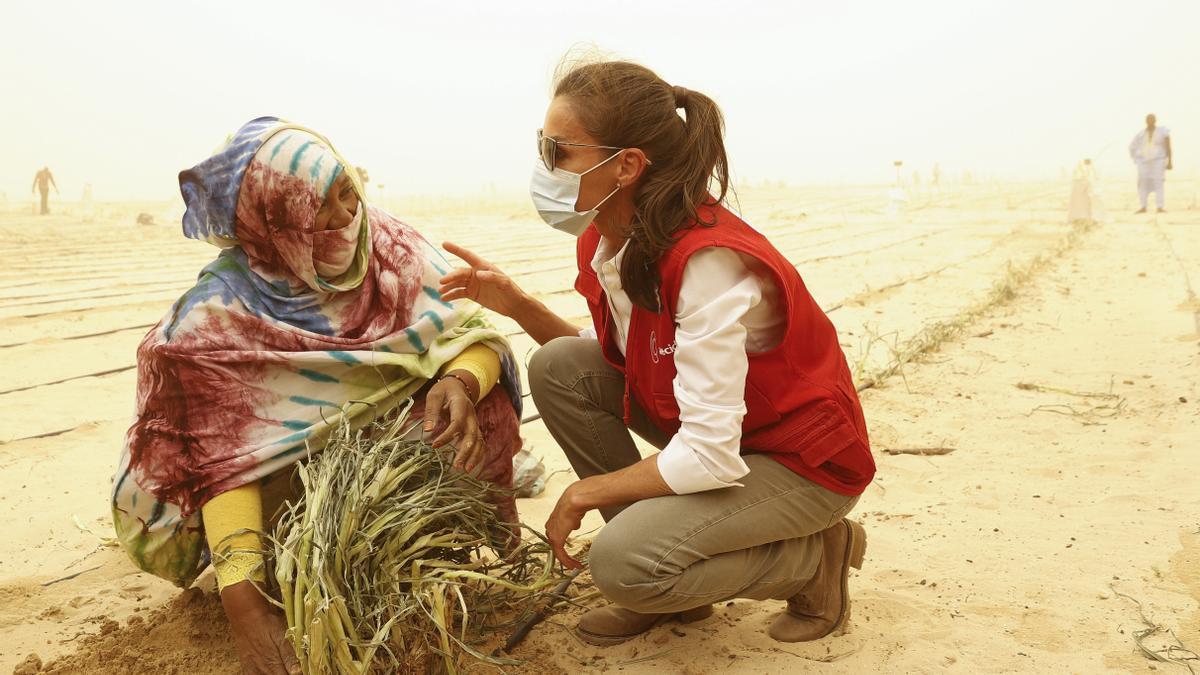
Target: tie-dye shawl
<point>252,367</point>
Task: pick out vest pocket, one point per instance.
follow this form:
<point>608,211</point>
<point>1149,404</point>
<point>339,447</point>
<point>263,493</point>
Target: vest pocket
<point>817,433</point>
<point>825,435</point>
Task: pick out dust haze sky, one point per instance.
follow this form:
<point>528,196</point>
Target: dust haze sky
<point>445,96</point>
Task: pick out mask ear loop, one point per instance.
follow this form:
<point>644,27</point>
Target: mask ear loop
<point>601,203</point>
<point>618,188</point>
<point>606,161</point>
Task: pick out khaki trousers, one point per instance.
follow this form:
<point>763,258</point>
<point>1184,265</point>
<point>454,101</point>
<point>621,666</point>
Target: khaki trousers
<point>673,553</point>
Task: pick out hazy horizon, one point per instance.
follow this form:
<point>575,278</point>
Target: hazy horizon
<point>446,99</point>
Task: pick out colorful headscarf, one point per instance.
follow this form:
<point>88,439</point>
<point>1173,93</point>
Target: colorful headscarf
<point>288,332</point>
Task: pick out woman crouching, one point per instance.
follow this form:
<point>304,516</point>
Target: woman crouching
<point>705,342</point>
<point>319,310</point>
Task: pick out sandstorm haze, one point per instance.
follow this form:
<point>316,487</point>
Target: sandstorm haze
<point>445,98</point>
<point>1024,343</point>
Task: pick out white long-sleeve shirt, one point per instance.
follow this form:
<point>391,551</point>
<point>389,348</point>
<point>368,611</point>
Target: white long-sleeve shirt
<point>728,305</point>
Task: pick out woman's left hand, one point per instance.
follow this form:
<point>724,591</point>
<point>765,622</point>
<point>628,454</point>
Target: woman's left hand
<point>450,400</point>
<point>565,519</point>
<point>625,486</point>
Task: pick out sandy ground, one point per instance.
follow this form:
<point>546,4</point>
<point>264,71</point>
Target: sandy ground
<point>1066,501</point>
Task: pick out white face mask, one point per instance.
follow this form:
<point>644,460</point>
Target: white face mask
<point>555,194</point>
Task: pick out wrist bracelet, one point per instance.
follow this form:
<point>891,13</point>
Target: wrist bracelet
<point>461,381</point>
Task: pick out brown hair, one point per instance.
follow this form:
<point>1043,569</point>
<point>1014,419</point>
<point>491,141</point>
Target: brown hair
<point>626,105</point>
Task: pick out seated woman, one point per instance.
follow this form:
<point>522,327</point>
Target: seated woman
<point>319,309</point>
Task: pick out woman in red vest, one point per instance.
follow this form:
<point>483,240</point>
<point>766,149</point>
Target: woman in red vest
<point>704,342</point>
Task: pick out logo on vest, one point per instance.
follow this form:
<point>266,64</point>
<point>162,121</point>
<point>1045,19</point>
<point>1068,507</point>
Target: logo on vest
<point>656,352</point>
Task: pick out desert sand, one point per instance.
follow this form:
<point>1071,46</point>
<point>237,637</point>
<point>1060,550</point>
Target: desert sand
<point>1065,381</point>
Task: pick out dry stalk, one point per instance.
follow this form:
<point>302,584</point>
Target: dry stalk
<point>1176,653</point>
<point>932,336</point>
<point>391,561</point>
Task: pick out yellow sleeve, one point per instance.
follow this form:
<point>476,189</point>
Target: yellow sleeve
<point>237,556</point>
<point>481,361</point>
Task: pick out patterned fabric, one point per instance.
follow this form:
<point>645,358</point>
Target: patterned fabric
<point>253,367</point>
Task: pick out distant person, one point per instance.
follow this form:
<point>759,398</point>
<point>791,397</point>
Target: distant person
<point>87,204</point>
<point>1151,151</point>
<point>1085,205</point>
<point>899,193</point>
<point>42,182</point>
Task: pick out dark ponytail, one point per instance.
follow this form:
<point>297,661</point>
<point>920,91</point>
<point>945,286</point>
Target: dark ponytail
<point>626,105</point>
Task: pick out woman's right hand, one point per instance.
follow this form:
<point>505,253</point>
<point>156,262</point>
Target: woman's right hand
<point>482,282</point>
<point>258,632</point>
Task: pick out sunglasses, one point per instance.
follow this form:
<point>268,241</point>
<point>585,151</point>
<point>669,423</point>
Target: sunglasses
<point>548,148</point>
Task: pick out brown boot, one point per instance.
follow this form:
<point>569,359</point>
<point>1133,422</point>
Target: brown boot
<point>612,625</point>
<point>823,605</point>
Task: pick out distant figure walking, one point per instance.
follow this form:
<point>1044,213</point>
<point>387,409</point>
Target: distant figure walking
<point>1151,151</point>
<point>42,182</point>
<point>1085,205</point>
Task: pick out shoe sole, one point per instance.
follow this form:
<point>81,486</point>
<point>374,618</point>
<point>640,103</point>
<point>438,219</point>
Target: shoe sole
<point>689,616</point>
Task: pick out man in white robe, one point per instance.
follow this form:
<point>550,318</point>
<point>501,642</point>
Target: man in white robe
<point>1151,151</point>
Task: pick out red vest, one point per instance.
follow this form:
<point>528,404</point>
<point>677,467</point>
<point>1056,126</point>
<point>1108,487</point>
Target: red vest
<point>801,404</point>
